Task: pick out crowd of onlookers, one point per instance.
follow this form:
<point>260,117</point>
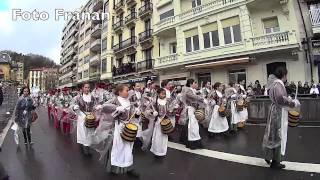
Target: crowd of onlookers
<point>303,89</point>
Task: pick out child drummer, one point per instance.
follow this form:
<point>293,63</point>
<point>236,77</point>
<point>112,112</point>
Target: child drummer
<point>119,157</point>
<point>163,110</point>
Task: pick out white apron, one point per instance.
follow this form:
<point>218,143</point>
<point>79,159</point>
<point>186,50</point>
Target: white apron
<point>284,130</point>
<point>83,133</point>
<point>244,115</point>
<point>218,124</point>
<point>159,141</point>
<point>121,153</point>
<point>193,126</point>
<point>235,115</point>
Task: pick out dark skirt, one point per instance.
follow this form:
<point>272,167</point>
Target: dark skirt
<point>184,139</point>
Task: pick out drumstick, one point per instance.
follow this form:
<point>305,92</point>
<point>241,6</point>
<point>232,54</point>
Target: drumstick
<point>296,92</point>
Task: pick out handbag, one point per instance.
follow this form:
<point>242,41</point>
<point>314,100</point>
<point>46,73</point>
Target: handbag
<point>34,116</point>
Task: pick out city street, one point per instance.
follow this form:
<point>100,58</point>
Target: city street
<point>57,156</point>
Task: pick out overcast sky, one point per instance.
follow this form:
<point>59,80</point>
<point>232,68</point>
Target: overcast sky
<point>38,37</point>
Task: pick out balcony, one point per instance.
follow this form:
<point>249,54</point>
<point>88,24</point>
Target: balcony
<point>145,38</point>
<point>315,20</point>
<point>131,3</point>
<point>145,10</point>
<point>145,65</point>
<point>96,31</point>
<point>271,40</point>
<point>95,59</point>
<point>96,45</point>
<point>118,6</point>
<point>94,75</point>
<point>127,44</point>
<point>124,69</point>
<point>172,58</point>
<point>194,13</point>
<point>130,19</point>
<point>97,5</point>
<point>117,27</point>
<point>97,20</point>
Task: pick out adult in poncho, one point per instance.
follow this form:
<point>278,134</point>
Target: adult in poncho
<point>275,136</point>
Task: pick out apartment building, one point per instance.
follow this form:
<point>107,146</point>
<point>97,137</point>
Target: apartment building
<point>69,54</point>
<point>43,79</point>
<point>314,12</point>
<point>89,59</point>
<point>132,41</point>
<point>230,40</point>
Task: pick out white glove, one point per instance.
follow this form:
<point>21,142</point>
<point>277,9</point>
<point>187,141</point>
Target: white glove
<point>120,109</point>
<point>98,107</point>
<point>76,107</point>
<point>155,113</point>
<point>176,106</point>
<point>233,96</point>
<point>24,112</point>
<point>205,101</point>
<point>296,102</point>
<point>244,96</point>
<point>213,102</point>
<point>138,112</point>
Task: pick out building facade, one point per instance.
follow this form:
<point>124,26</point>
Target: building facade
<point>230,40</point>
<point>43,79</point>
<point>69,54</point>
<point>208,40</point>
<point>20,73</point>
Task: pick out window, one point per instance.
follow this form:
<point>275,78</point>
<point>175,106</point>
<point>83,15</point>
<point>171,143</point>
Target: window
<point>112,41</point>
<point>87,31</point>
<point>132,58</point>
<point>120,62</point>
<point>167,14</point>
<point>210,35</point>
<point>104,44</point>
<point>86,59</point>
<point>81,49</point>
<point>271,25</point>
<point>231,30</point>
<point>173,48</point>
<point>196,3</point>
<point>86,45</point>
<point>236,76</point>
<point>204,78</point>
<point>192,40</point>
<point>104,66</point>
<point>80,75</point>
<point>132,32</point>
<point>147,24</point>
<point>85,73</point>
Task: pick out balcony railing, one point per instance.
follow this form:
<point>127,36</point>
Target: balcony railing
<point>145,35</point>
<point>118,6</point>
<point>145,9</point>
<point>194,12</point>
<point>116,26</point>
<point>271,39</point>
<point>168,59</point>
<point>95,45</point>
<point>130,3</point>
<point>125,44</point>
<point>131,17</point>
<point>124,69</point>
<point>315,17</point>
<point>145,65</point>
<point>96,29</point>
<point>95,59</point>
<point>94,75</point>
<point>97,4</point>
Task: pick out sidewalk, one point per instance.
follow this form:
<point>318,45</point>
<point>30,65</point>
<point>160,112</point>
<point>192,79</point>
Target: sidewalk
<point>8,105</point>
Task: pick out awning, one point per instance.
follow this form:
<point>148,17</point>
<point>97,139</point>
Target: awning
<point>219,63</point>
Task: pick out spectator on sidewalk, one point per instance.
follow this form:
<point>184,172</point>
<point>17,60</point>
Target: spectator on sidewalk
<point>314,90</point>
<point>306,88</point>
<point>23,114</point>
